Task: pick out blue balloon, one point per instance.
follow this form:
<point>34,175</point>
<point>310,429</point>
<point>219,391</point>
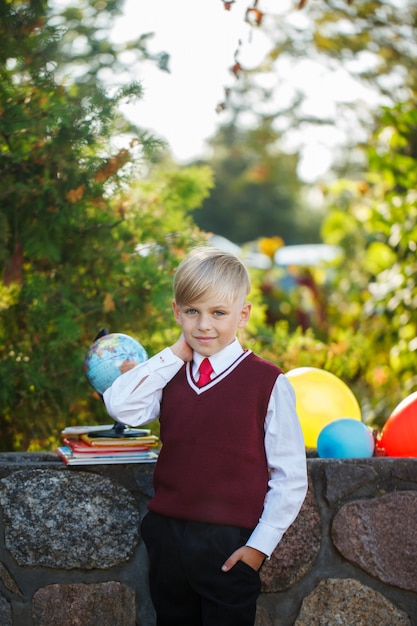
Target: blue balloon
<point>345,438</point>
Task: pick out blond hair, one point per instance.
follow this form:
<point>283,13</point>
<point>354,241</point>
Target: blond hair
<point>209,271</point>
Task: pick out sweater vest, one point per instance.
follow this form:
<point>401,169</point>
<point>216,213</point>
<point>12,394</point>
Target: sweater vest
<point>212,466</point>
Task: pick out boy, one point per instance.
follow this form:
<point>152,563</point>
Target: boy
<point>231,475</point>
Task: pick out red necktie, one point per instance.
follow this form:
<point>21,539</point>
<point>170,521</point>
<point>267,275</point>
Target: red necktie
<point>205,370</point>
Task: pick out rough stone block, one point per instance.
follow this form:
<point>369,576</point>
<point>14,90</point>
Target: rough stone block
<point>344,478</point>
<point>98,604</point>
<point>296,551</point>
<point>68,520</point>
<point>5,612</point>
<point>379,535</point>
<point>346,602</point>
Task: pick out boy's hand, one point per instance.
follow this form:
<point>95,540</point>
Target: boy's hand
<point>182,350</point>
<point>128,364</point>
<point>252,557</point>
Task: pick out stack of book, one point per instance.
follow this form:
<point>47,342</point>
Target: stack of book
<point>92,445</point>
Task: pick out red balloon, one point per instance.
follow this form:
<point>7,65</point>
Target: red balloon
<point>399,433</point>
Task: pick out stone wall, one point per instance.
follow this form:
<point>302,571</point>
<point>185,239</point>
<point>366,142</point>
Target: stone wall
<point>71,553</point>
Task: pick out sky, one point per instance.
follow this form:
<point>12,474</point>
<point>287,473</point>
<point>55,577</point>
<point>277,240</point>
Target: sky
<point>202,38</point>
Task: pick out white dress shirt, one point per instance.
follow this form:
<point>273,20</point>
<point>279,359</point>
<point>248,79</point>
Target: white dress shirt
<point>134,399</point>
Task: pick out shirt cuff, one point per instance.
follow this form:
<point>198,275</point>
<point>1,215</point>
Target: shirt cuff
<point>164,363</point>
<point>264,538</point>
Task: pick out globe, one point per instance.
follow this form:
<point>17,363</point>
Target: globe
<point>109,357</point>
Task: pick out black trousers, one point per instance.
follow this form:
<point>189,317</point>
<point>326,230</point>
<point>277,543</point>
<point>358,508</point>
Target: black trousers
<point>187,584</point>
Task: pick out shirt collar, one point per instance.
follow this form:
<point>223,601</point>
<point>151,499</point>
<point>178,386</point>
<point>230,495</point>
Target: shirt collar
<point>221,360</point>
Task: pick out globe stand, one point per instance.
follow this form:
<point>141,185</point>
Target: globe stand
<point>102,333</point>
<point>119,429</point>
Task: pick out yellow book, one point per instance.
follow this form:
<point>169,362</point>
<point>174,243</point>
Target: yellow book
<point>145,440</point>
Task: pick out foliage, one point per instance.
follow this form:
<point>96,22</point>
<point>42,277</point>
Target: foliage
<point>257,192</point>
<point>375,294</point>
<point>372,39</point>
<point>83,247</point>
<point>70,229</point>
<point>354,56</point>
<point>370,306</point>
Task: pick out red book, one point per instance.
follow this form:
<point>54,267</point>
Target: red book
<point>81,447</point>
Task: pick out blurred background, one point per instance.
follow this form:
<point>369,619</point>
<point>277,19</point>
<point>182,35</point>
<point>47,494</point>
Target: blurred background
<point>130,131</point>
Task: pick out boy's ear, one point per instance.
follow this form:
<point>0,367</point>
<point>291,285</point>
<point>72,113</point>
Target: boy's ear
<point>177,312</point>
<point>245,314</point>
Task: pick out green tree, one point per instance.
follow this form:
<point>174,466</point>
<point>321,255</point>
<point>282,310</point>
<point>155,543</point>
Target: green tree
<point>70,227</point>
<point>375,221</point>
<point>371,332</point>
<point>257,191</point>
<point>360,55</point>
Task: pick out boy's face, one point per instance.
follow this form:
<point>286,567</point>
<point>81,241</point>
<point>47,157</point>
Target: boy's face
<point>210,325</point>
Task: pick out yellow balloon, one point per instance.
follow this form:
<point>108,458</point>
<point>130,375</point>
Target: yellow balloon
<point>321,398</point>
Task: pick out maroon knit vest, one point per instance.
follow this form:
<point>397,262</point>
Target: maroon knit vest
<point>212,466</point>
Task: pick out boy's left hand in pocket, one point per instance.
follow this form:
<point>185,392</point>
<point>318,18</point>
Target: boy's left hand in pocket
<point>252,557</point>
